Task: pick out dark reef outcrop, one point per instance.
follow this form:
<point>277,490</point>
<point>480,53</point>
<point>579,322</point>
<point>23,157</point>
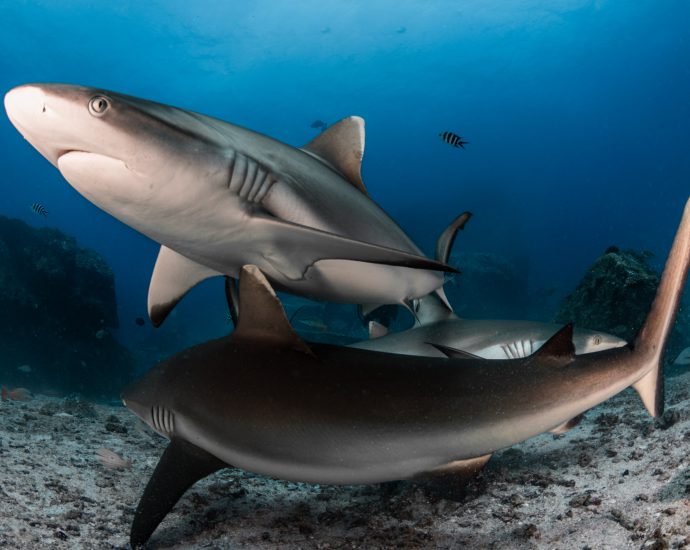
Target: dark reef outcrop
<point>615,295</point>
<point>57,311</point>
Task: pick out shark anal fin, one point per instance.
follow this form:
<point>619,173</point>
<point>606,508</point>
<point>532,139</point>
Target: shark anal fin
<point>180,467</point>
<point>445,241</point>
<point>559,349</point>
<point>342,147</point>
<point>567,425</point>
<point>173,276</point>
<point>262,316</point>
<point>453,353</point>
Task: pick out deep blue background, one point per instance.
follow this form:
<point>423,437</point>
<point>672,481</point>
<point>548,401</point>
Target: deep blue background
<point>578,114</point>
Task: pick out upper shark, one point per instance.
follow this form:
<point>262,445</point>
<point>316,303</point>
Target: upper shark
<point>264,400</point>
<point>217,196</point>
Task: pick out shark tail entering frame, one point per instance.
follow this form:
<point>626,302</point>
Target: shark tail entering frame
<point>651,341</point>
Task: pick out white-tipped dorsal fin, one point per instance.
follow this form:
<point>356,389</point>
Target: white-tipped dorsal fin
<point>173,276</point>
<point>261,315</point>
<point>377,330</point>
<point>342,146</point>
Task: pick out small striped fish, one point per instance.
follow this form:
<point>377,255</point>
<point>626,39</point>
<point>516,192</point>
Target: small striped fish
<point>453,139</point>
<point>38,208</point>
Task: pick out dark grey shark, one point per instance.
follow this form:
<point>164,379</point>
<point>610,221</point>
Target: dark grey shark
<point>263,400</point>
<point>217,196</point>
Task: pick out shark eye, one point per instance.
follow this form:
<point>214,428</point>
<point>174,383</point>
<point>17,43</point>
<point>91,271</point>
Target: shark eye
<point>597,340</point>
<point>98,105</point>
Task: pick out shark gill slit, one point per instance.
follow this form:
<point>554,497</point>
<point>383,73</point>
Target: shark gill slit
<point>247,178</point>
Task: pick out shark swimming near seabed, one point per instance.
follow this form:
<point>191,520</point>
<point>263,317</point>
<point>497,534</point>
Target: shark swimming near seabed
<point>263,400</point>
<point>218,196</point>
<point>437,327</point>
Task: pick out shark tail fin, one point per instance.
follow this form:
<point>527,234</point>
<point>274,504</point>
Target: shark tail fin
<point>651,340</point>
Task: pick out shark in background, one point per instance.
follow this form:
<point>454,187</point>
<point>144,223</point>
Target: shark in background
<point>437,328</point>
<point>263,400</point>
<point>217,196</point>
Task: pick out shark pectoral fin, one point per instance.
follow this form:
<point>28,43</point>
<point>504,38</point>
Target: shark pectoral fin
<point>568,425</point>
<point>559,349</point>
<point>377,330</point>
<point>292,249</point>
<point>232,296</point>
<point>342,147</point>
<point>180,467</point>
<point>453,353</point>
<point>445,241</point>
<point>173,276</point>
<point>262,316</point>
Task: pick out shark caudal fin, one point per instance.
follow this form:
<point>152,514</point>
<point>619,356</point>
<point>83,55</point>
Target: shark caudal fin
<point>651,340</point>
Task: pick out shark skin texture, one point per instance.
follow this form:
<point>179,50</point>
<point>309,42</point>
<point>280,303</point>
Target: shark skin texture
<point>264,400</point>
<point>217,196</point>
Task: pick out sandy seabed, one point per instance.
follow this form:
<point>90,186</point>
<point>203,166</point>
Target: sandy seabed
<point>618,480</point>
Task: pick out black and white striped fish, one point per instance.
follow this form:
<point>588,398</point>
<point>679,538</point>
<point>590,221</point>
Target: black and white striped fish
<point>453,139</point>
<point>38,208</point>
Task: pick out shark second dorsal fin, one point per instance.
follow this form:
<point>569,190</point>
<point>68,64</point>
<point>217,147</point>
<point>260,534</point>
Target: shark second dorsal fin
<point>261,315</point>
<point>342,147</point>
<point>445,241</point>
<point>173,276</point>
<point>559,348</point>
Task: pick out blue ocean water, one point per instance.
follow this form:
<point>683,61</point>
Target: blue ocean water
<point>576,111</point>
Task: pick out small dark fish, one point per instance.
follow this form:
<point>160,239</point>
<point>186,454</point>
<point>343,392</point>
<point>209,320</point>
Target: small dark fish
<point>319,124</point>
<point>139,321</point>
<point>453,139</point>
<point>38,208</point>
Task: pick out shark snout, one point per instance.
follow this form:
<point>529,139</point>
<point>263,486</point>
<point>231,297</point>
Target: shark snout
<point>40,115</point>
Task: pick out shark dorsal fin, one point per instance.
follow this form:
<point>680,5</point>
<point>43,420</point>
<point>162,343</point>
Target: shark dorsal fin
<point>261,315</point>
<point>559,348</point>
<point>342,147</point>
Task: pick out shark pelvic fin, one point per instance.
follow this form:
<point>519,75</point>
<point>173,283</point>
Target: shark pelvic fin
<point>292,249</point>
<point>342,147</point>
<point>173,276</point>
<point>453,353</point>
<point>180,467</point>
<point>445,241</point>
<point>261,315</point>
<point>377,330</point>
<point>567,425</point>
<point>559,349</point>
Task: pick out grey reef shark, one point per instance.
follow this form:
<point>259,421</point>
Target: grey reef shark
<point>438,328</point>
<point>217,196</point>
<point>263,400</point>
